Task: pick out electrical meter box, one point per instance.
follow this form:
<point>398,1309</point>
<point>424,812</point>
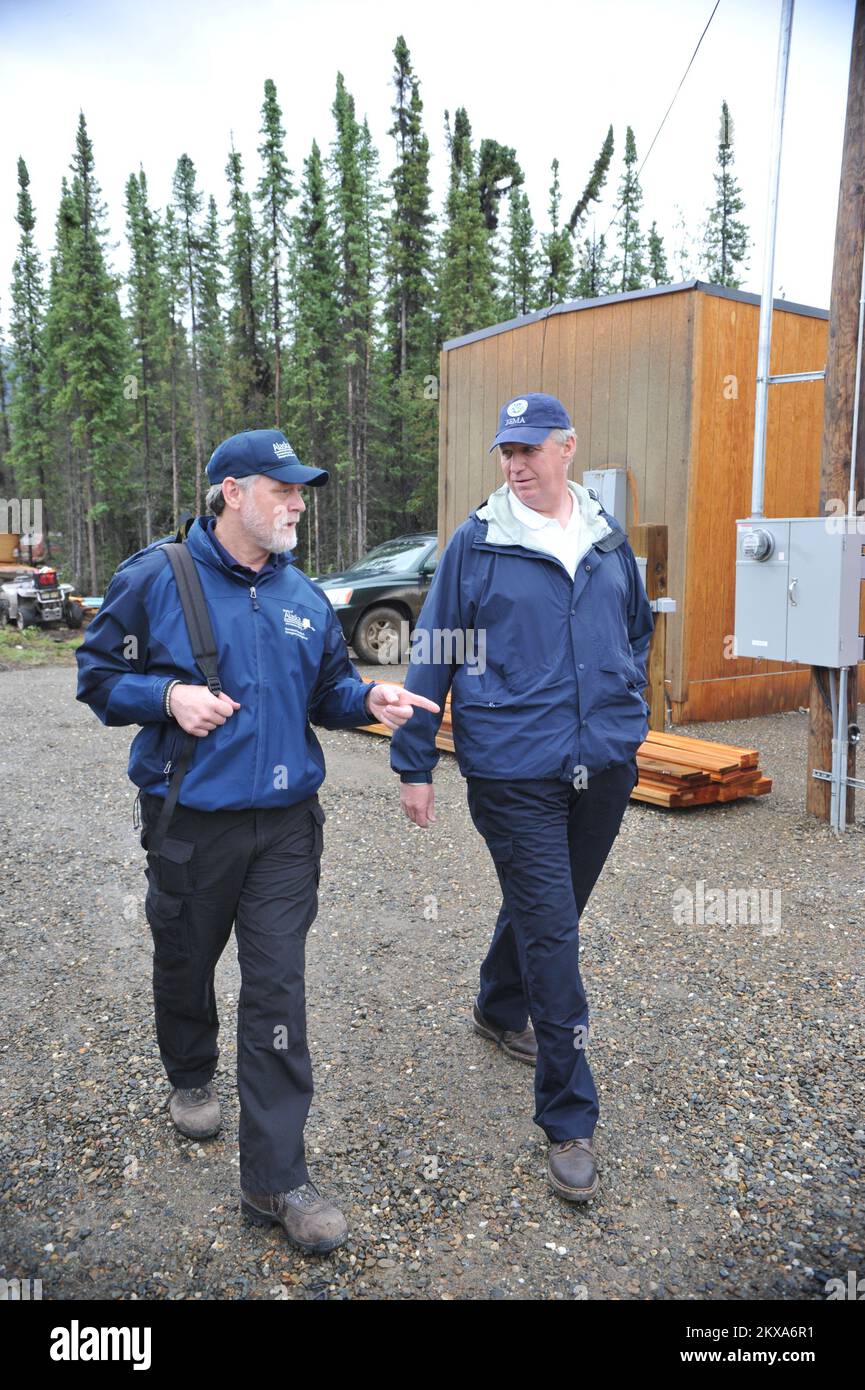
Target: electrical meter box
<point>797,590</point>
<point>611,485</point>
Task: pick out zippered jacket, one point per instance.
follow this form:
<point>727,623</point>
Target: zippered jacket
<point>281,654</point>
<point>551,673</point>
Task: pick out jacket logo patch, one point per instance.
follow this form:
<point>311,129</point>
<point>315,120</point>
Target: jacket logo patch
<point>297,626</point>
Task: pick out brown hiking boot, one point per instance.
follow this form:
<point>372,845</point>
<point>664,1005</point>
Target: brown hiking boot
<point>572,1170</point>
<point>522,1046</point>
<point>310,1222</point>
<point>195,1111</point>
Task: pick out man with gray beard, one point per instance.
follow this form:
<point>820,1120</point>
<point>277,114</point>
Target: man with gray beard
<point>246,836</point>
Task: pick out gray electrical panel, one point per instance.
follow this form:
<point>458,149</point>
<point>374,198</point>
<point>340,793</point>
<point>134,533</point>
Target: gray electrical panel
<point>611,485</point>
<point>797,590</point>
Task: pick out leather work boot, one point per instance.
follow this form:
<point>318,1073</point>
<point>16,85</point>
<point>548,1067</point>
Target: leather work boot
<point>523,1046</point>
<point>195,1110</point>
<point>310,1222</point>
<point>572,1170</point>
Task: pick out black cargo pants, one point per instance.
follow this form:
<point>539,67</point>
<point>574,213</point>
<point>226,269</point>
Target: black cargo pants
<point>257,870</point>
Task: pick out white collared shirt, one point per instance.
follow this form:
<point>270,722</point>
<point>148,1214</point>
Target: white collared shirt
<point>567,543</point>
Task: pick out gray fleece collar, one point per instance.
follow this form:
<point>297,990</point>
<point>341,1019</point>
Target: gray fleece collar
<point>503,528</point>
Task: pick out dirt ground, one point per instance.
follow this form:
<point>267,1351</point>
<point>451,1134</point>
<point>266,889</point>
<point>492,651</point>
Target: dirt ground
<point>728,1057</point>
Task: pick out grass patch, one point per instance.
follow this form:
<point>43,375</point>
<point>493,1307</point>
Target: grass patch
<point>38,646</point>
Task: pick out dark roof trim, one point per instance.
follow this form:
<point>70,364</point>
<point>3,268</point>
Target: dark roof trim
<point>720,292</point>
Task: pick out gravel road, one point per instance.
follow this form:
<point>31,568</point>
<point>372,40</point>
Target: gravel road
<point>728,1057</point>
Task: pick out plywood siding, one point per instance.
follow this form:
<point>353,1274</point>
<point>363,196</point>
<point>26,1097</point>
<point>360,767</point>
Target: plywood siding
<point>714,684</point>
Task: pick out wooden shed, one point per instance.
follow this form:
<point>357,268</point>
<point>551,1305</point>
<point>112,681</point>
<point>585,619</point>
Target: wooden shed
<point>661,382</point>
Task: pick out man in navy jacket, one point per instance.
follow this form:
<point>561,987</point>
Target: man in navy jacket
<point>539,622</point>
<point>246,835</point>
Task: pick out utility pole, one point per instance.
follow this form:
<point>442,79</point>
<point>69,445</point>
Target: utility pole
<point>839,399</point>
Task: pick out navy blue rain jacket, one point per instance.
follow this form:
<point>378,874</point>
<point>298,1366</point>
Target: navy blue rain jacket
<point>565,660</point>
<point>281,654</point>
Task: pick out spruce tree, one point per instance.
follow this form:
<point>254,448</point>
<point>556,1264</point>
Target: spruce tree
<point>558,259</point>
<point>356,203</point>
<point>592,191</point>
<point>520,259</point>
<point>5,433</point>
<point>29,416</point>
<point>726,236</point>
<point>187,203</point>
<point>496,163</point>
<point>177,433</point>
<point>274,193</point>
<point>628,270</point>
<point>411,444</point>
<point>467,286</point>
<point>657,257</point>
<point>89,349</point>
<point>592,279</point>
<point>315,365</point>
<point>142,226</point>
<point>211,325</point>
<point>248,370</point>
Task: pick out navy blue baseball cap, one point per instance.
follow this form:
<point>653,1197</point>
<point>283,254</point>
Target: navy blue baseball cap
<point>261,451</point>
<point>528,419</point>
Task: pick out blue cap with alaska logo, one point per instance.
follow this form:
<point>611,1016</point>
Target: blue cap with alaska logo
<point>528,419</point>
<point>261,451</point>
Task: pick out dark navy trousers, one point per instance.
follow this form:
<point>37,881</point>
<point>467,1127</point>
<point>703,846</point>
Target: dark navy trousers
<point>548,841</point>
<point>257,870</point>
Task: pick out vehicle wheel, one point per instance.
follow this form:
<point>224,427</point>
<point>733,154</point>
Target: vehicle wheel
<point>20,621</point>
<point>74,615</point>
<point>378,637</point>
<point>4,613</point>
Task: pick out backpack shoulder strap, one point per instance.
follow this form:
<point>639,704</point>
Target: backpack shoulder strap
<point>195,612</point>
<point>204,650</point>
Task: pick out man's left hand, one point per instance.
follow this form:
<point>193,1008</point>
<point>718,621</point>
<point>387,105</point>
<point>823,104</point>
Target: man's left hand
<point>392,705</point>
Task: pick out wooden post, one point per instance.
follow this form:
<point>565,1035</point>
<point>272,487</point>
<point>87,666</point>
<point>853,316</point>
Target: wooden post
<point>838,404</point>
<point>651,541</point>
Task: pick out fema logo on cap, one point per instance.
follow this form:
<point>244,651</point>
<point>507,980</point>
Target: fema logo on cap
<point>518,407</point>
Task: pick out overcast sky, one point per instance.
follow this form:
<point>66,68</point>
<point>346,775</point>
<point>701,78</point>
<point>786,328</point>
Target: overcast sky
<point>157,78</point>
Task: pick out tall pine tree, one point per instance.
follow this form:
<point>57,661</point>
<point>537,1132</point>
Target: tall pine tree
<point>356,212</point>
<point>187,203</point>
<point>558,263</point>
<point>315,370</point>
<point>249,374</point>
<point>520,259</point>
<point>628,270</point>
<point>274,194</point>
<point>467,286</point>
<point>409,326</point>
<point>89,358</point>
<point>29,415</point>
<point>726,239</point>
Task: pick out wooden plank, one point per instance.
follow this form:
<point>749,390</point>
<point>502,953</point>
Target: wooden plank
<point>444,470</point>
<point>640,351</point>
<point>599,441</point>
<point>679,413</point>
<point>620,344</point>
<point>584,339</point>
<point>658,399</point>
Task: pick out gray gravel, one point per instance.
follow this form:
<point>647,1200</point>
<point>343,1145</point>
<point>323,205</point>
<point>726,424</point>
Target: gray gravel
<point>728,1057</point>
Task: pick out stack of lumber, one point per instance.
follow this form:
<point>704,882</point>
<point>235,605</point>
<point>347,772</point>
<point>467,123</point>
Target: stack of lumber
<point>675,771</point>
<point>680,771</point>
